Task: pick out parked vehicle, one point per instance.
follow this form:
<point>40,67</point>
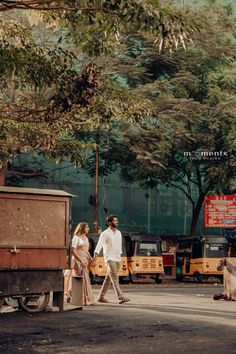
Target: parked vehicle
<point>230,235</point>
<point>198,257</point>
<point>169,264</point>
<point>34,245</point>
<point>144,256</point>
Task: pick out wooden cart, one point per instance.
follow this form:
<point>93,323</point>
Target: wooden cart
<point>34,243</point>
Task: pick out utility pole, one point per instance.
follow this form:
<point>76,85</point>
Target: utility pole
<point>185,210</point>
<point>96,184</point>
<point>185,215</point>
<point>149,200</point>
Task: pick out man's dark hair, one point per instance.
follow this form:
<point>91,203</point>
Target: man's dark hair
<point>110,218</point>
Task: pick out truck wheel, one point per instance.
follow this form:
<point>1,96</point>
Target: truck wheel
<point>197,277</point>
<point>34,303</point>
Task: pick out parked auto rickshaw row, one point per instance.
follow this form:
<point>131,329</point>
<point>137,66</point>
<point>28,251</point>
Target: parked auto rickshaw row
<point>141,257</point>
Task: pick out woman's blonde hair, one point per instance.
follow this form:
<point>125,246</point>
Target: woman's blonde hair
<point>80,228</point>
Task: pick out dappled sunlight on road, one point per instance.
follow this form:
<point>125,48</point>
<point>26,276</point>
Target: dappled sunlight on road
<point>195,304</point>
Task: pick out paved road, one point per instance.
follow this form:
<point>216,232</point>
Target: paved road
<point>159,319</point>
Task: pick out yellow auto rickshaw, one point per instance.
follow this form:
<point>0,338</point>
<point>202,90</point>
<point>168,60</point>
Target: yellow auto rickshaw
<point>197,257</point>
<point>144,256</point>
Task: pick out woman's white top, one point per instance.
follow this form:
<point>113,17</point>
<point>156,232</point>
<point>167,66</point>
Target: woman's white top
<point>77,241</point>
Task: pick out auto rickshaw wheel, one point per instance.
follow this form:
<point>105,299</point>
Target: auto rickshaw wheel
<point>132,278</point>
<point>179,278</point>
<point>124,280</point>
<point>34,303</point>
<point>92,280</point>
<point>158,280</point>
<point>221,279</point>
<point>197,277</point>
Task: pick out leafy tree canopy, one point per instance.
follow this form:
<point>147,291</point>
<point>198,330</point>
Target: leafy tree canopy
<point>189,143</point>
<point>58,64</point>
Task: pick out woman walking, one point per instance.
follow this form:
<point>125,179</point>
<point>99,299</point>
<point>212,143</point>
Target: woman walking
<point>81,261</point>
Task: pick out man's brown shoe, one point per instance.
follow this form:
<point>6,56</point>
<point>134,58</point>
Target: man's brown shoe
<point>103,300</point>
<point>218,296</point>
<point>123,299</point>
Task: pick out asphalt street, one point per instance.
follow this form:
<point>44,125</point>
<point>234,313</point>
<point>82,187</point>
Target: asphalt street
<point>163,319</point>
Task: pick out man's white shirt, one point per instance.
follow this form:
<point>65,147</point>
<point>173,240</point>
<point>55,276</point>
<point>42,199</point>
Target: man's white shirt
<point>111,242</point>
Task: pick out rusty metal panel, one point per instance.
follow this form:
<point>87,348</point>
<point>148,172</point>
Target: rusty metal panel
<point>21,190</point>
<point>34,228</point>
<point>30,282</point>
<point>33,220</point>
<point>33,258</point>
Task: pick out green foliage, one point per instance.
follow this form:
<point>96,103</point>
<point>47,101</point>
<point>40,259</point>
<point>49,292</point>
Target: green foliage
<point>100,26</point>
<point>50,87</point>
<point>189,142</point>
<point>24,62</point>
<point>153,81</point>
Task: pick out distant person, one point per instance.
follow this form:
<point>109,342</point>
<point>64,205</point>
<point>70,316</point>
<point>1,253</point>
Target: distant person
<point>228,266</point>
<point>110,241</point>
<point>81,261</point>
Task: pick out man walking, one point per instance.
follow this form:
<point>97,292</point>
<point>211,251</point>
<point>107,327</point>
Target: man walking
<point>111,242</point>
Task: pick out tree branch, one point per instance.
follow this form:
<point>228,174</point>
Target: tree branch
<point>7,5</point>
<point>37,173</point>
<point>27,174</point>
<point>180,188</point>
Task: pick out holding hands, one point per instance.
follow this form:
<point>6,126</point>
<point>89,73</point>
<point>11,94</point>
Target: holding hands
<point>93,263</point>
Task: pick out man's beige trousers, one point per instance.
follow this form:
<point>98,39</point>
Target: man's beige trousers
<point>111,278</point>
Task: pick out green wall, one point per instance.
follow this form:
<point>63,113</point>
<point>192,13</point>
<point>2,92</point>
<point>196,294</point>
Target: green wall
<point>161,210</point>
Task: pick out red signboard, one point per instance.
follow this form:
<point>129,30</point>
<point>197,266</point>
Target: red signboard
<point>220,211</point>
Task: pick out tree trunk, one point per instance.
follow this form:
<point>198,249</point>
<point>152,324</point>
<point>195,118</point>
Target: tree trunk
<point>196,213</point>
<point>3,173</point>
